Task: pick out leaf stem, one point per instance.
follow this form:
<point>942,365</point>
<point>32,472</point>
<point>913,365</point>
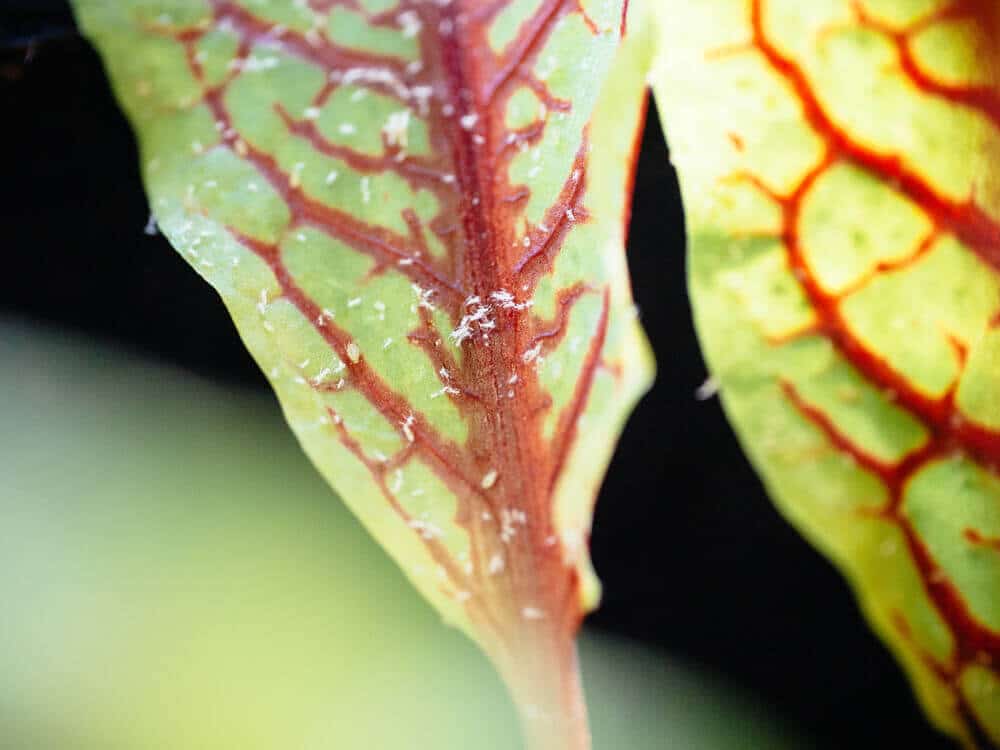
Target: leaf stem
<point>544,679</point>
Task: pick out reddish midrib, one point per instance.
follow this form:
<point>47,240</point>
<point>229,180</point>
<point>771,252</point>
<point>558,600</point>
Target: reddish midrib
<point>505,434</point>
<point>477,260</point>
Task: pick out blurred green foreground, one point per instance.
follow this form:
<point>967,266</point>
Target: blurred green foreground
<point>174,574</point>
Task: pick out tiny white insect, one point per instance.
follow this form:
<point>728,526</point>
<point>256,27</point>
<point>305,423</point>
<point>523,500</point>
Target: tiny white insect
<point>396,128</point>
<point>295,178</point>
<point>489,479</point>
<point>708,389</point>
<point>532,613</point>
<point>496,564</point>
<point>407,426</point>
<point>426,529</point>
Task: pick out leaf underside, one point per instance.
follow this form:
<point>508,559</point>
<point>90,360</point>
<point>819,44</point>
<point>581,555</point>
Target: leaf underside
<point>839,165</point>
<point>401,205</point>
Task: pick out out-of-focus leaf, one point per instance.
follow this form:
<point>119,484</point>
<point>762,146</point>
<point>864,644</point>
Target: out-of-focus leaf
<point>414,212</point>
<point>193,586</point>
<point>839,166</point>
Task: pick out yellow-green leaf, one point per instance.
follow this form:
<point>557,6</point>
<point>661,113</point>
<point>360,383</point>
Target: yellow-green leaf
<point>414,212</point>
<point>840,168</point>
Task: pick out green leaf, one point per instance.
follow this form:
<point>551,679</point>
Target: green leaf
<point>414,212</point>
<point>839,167</point>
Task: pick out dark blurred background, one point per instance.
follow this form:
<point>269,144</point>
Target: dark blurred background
<point>693,556</point>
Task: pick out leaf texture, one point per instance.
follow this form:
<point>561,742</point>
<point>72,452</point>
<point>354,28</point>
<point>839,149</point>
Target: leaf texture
<point>839,166</point>
<point>414,211</point>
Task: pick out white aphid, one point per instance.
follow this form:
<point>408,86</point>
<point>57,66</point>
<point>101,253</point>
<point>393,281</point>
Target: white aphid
<point>409,23</point>
<point>532,354</point>
<point>396,128</point>
<point>496,564</point>
<point>706,390</point>
<point>489,479</point>
<point>426,529</point>
<point>407,425</point>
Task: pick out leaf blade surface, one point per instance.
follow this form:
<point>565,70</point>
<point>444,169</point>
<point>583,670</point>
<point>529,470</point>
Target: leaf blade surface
<point>396,208</point>
<point>839,172</point>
